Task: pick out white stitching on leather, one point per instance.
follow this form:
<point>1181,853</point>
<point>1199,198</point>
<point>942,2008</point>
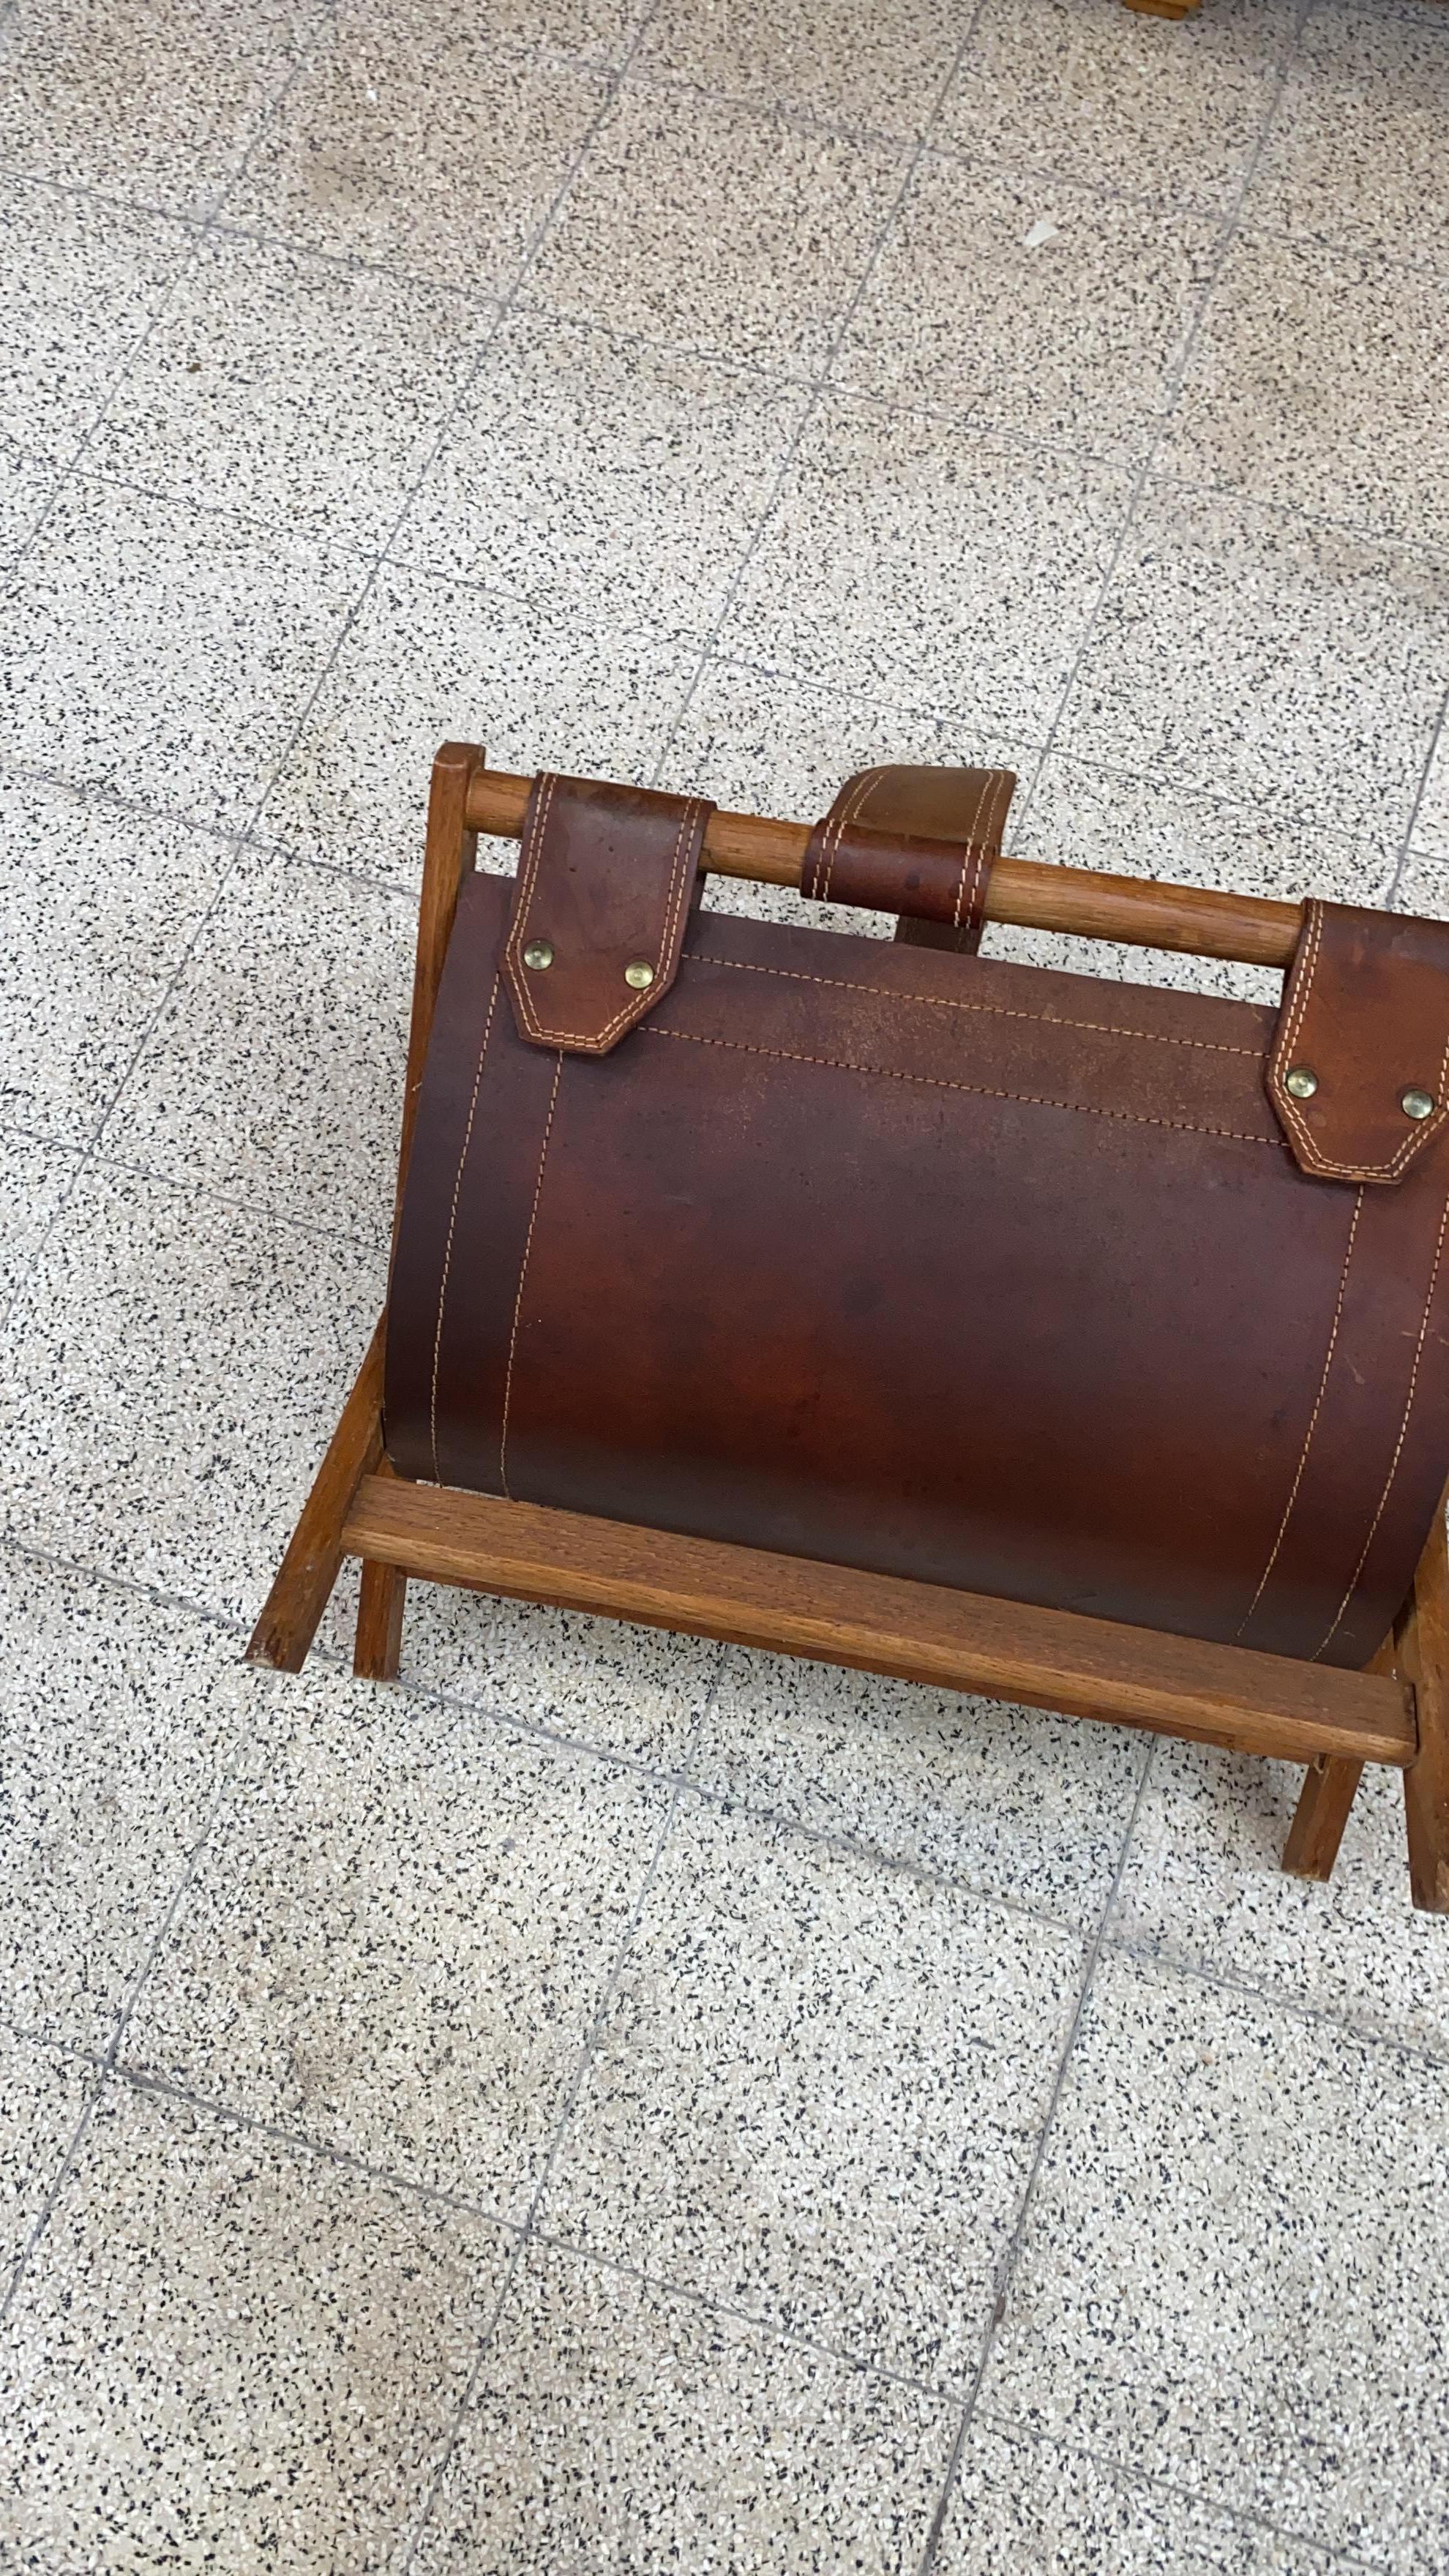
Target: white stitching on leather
<point>978,1090</point>
<point>972,857</point>
<point>945,1002</point>
<point>1398,1445</point>
<point>676,887</point>
<point>452,1222</point>
<point>1312,1423</point>
<point>1287,1107</point>
<point>522,1275</point>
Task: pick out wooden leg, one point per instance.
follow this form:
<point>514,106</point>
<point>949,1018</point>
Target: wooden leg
<point>294,1606</point>
<point>379,1621</point>
<point>1320,1817</point>
<point>1423,1659</point>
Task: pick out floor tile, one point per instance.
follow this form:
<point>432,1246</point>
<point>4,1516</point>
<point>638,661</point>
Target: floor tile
<point>172,1371</point>
<point>629,2430</point>
<point>34,1179</point>
<point>1236,2268</point>
<point>1269,660</point>
<point>99,906</point>
<point>430,661</point>
<point>718,228</point>
<point>233,2354</point>
<point>1306,388</point>
<point>293,389</point>
<point>1204,1885</point>
<point>42,2096</point>
<point>163,651</point>
<point>156,103</point>
<point>122,1718</point>
<point>818,2092</point>
<point>1006,1800</point>
<point>883,73</point>
<point>600,471</point>
<point>635,1691</point>
<point>1158,110</point>
<point>1424,885</point>
<point>397,1943</point>
<point>26,492</point>
<point>364,160</point>
<point>1020,2504</point>
<point>906,560</point>
<point>1431,822</point>
<point>1028,304</point>
<point>275,1074</point>
<point>1355,153</point>
<point>1081,815</point>
<point>80,284</point>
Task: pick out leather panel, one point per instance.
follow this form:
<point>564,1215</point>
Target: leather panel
<point>930,1264</point>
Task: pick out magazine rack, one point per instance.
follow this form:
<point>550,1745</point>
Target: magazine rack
<point>1331,1720</point>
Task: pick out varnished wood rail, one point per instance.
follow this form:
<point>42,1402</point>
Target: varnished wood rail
<point>1194,919</point>
<point>878,1623</point>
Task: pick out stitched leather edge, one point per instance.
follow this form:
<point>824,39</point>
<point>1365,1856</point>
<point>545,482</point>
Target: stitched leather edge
<point>949,1002</point>
<point>1312,1157</point>
<point>1398,1444</point>
<point>694,812</point>
<point>522,1276</point>
<point>977,1090</point>
<point>1293,1491</point>
<point>452,1224</point>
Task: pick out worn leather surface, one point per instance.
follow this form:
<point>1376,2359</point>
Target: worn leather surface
<point>937,881</point>
<point>1366,1012</point>
<point>931,1264</point>
<point>606,879</point>
<point>952,821</point>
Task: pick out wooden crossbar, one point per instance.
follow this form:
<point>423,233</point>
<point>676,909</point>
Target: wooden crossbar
<point>1195,920</point>
<point>918,1632</point>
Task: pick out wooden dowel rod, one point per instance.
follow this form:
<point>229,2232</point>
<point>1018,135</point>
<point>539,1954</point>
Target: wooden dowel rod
<point>1135,910</point>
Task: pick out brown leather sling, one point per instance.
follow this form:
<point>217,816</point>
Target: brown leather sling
<point>1115,1299</point>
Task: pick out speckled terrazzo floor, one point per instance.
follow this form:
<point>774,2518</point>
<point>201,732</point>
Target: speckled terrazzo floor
<point>612,2104</point>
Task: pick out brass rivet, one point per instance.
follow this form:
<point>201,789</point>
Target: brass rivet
<point>640,974</point>
<point>1417,1104</point>
<point>538,954</point>
<point>1301,1081</point>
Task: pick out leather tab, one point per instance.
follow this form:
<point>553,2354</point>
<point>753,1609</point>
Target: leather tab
<point>914,840</point>
<point>606,878</point>
<point>1364,1025</point>
<point>880,871</point>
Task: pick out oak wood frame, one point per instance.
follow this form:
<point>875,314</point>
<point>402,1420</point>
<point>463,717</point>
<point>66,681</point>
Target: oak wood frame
<point>1396,1712</point>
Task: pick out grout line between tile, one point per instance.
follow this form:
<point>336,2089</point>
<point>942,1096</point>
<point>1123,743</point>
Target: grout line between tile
<point>1227,234</point>
<point>1131,2476</point>
<point>1439,737</point>
<point>1016,2243</point>
<point>140,2079</point>
<point>572,2091</point>
<point>913,157</point>
<point>106,2060</point>
<point>350,616</point>
<point>1295,2007</point>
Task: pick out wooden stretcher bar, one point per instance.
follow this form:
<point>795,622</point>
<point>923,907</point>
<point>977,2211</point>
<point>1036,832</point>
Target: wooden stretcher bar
<point>1135,910</point>
<point>1332,1721</point>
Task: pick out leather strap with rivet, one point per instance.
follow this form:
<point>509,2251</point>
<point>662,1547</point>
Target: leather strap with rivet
<point>1359,1071</point>
<point>607,877</point>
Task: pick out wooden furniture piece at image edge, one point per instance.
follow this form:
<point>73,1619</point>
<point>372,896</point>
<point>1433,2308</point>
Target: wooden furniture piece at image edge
<point>1333,1721</point>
